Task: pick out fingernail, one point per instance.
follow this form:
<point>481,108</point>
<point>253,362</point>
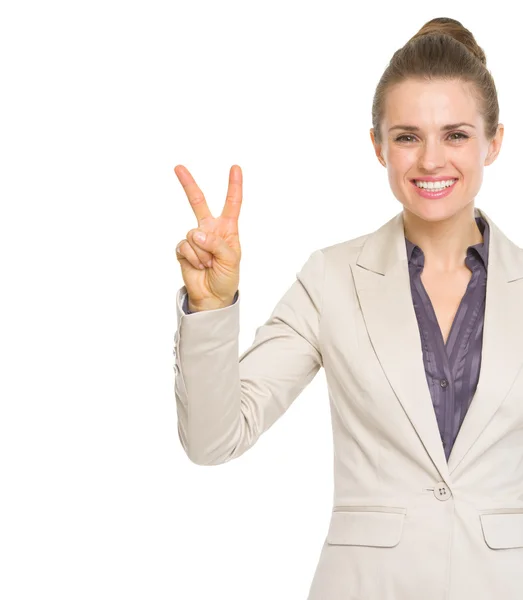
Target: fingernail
<point>199,236</point>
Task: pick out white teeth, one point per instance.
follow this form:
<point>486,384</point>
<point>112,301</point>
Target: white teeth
<point>435,185</point>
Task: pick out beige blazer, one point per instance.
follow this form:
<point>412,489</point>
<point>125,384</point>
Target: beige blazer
<point>405,524</point>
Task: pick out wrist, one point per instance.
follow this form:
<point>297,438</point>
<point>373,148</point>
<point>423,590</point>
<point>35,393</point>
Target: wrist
<point>208,305</point>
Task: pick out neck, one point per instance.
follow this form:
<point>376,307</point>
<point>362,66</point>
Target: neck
<point>444,243</point>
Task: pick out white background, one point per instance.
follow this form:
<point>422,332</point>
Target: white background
<point>99,102</point>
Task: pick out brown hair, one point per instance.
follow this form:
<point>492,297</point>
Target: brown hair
<point>442,49</point>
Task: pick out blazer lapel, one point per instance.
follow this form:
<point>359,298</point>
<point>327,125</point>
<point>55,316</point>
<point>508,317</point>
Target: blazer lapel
<point>502,353</point>
<point>382,284</point>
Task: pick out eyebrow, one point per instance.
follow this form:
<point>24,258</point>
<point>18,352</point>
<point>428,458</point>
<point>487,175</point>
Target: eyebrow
<point>444,128</point>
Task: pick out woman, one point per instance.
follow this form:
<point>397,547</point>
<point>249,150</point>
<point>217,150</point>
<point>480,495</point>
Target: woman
<point>428,464</point>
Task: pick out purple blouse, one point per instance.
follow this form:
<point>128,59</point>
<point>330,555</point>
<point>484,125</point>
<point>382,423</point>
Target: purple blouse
<point>452,369</point>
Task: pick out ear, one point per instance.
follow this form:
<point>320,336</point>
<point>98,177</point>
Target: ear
<point>495,145</point>
<point>377,148</point>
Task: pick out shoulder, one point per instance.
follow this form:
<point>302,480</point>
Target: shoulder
<point>346,251</point>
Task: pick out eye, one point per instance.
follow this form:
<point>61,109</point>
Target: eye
<point>462,135</point>
<point>402,137</point>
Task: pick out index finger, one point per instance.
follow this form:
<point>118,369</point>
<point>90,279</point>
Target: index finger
<point>194,193</point>
<point>233,202</point>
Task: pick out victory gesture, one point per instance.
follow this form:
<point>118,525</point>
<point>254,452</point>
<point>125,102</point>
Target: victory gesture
<point>211,267</point>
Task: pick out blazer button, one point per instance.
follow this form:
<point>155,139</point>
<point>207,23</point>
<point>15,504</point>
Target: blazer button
<point>443,383</point>
<point>442,492</point>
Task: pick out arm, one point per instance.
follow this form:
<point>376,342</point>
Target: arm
<point>226,401</point>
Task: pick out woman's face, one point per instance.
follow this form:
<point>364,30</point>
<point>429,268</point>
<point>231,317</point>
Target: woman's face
<point>432,149</point>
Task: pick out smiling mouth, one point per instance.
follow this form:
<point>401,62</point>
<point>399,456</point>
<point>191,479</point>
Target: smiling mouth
<point>435,193</point>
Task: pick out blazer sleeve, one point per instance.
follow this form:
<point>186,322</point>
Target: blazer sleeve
<point>225,401</point>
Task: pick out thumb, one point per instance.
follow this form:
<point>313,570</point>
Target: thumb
<point>216,245</point>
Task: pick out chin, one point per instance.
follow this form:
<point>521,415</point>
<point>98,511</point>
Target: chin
<point>433,210</point>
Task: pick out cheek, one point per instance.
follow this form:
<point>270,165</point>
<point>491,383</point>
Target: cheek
<point>400,162</point>
<point>468,159</point>
<point>471,164</point>
<point>399,172</point>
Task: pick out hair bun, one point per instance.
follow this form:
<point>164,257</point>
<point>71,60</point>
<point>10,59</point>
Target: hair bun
<point>454,29</point>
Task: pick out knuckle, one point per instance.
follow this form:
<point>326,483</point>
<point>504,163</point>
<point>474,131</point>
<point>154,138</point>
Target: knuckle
<point>198,197</point>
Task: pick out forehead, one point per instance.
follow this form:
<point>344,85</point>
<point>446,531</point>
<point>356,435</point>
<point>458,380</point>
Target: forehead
<point>430,102</point>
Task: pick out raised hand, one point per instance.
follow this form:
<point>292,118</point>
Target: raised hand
<point>214,285</point>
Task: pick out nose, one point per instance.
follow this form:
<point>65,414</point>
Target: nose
<point>432,155</point>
